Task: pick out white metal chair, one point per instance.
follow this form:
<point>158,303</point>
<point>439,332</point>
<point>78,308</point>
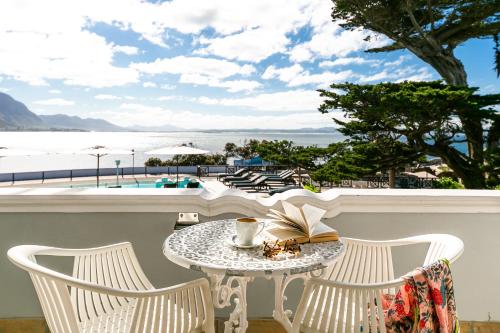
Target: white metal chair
<point>109,292</point>
<point>349,297</point>
<point>369,261</point>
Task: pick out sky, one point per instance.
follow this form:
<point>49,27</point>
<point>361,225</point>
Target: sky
<point>192,64</point>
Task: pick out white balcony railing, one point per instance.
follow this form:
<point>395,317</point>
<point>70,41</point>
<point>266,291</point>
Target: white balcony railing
<point>92,217</point>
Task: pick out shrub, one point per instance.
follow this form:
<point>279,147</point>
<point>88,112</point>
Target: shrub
<point>311,188</point>
<point>446,183</point>
<point>153,162</point>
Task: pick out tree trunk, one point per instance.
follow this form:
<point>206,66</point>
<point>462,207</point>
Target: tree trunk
<point>450,68</point>
<point>453,72</point>
<point>472,175</point>
<point>392,178</point>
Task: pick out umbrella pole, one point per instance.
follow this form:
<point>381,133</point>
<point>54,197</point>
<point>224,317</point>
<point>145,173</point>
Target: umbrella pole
<point>177,185</point>
<point>97,171</point>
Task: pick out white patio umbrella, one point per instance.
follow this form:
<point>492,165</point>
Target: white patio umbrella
<point>100,151</point>
<point>178,150</point>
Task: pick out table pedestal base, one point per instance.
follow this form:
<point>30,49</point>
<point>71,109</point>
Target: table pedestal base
<point>223,290</point>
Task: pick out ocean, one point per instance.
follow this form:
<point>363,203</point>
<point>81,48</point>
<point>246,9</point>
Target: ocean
<point>60,147</point>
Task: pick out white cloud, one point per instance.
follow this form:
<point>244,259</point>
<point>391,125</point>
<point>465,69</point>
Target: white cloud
<point>55,102</point>
<point>296,76</point>
<point>396,62</point>
<point>421,74</point>
<point>202,71</point>
<point>106,97</point>
<point>166,98</point>
<point>286,101</point>
<point>49,41</point>
<point>54,91</point>
<point>230,85</point>
<point>380,76</point>
<point>213,68</point>
<point>126,49</point>
<point>149,84</point>
<point>35,57</point>
<point>250,45</point>
<point>285,74</point>
<point>145,115</point>
<point>331,40</point>
<point>398,75</point>
<point>322,79</point>
<point>168,86</point>
<point>348,61</point>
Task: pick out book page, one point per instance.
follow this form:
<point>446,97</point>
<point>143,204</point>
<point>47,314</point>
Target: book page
<point>312,215</point>
<point>284,225</point>
<point>293,213</point>
<point>276,215</point>
<point>322,230</point>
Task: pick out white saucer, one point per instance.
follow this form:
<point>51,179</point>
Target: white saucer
<point>256,243</point>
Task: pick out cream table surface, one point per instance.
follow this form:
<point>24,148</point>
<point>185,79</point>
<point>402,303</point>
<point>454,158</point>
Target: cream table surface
<point>205,247</point>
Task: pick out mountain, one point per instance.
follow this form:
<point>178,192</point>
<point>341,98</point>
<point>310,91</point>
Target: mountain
<point>15,115</point>
<point>64,122</point>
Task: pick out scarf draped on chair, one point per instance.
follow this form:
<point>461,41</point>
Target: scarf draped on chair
<point>425,303</point>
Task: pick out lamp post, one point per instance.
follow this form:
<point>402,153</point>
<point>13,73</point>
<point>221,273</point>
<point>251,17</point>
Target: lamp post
<point>133,163</point>
<point>117,162</point>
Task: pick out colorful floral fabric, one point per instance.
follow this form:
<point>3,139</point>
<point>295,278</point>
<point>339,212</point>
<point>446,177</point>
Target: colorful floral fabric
<point>425,304</point>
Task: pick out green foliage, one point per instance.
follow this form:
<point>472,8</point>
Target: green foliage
<point>285,152</point>
<point>230,149</point>
<point>497,187</point>
<point>393,124</point>
<point>246,151</point>
<point>446,183</point>
<point>208,159</point>
<point>342,163</point>
<point>311,188</point>
<point>153,162</point>
<point>429,29</point>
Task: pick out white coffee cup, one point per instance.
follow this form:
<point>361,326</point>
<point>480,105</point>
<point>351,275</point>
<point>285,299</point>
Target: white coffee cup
<point>247,228</point>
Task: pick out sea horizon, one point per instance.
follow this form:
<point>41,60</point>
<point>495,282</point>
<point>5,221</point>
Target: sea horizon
<point>62,146</point>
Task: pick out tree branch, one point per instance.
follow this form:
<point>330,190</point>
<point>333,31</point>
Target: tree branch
<point>432,43</point>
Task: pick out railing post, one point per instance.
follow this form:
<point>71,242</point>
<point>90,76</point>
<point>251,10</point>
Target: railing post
<point>43,177</point>
<point>13,178</point>
<point>71,175</point>
<point>145,171</point>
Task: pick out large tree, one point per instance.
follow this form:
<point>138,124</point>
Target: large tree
<point>430,29</point>
<point>415,118</point>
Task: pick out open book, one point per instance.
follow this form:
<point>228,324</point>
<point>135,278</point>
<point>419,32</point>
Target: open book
<point>302,224</point>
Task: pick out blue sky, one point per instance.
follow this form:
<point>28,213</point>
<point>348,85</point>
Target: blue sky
<point>197,64</point>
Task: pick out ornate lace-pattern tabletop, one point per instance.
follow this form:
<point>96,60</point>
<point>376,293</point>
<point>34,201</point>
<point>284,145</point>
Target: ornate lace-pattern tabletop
<point>205,247</point>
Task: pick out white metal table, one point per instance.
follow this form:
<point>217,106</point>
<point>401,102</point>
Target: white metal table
<point>204,247</point>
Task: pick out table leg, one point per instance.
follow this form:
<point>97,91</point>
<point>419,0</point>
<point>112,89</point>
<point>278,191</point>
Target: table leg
<point>223,290</point>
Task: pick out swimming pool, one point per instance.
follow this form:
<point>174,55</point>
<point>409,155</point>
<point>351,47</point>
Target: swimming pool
<point>128,184</point>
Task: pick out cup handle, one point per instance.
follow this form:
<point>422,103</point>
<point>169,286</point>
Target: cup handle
<point>262,225</point>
